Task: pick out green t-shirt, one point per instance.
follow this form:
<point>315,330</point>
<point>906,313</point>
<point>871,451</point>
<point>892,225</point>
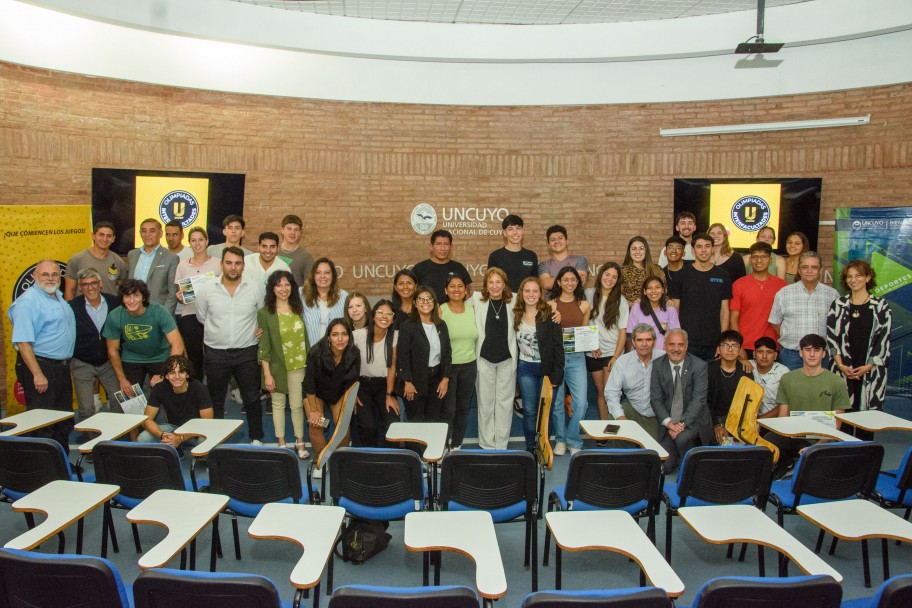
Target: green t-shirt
<point>142,338</point>
<point>294,338</point>
<point>463,333</point>
<point>823,393</point>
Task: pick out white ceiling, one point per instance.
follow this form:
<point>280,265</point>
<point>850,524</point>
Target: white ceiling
<point>518,12</point>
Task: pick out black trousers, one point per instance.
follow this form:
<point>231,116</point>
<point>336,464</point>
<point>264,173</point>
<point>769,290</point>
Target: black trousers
<point>58,396</point>
<point>373,418</point>
<point>221,365</point>
<point>191,330</point>
<point>457,401</point>
<point>427,407</point>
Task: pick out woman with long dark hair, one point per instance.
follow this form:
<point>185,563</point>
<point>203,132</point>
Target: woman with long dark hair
<point>459,317</point>
<point>404,284</point>
<point>654,309</point>
<point>637,265</point>
<point>610,311</point>
<point>858,335</point>
<point>796,244</point>
<point>569,299</point>
<point>333,365</point>
<point>540,348</point>
<point>283,354</point>
<point>377,404</point>
<point>323,299</point>
<point>423,359</point>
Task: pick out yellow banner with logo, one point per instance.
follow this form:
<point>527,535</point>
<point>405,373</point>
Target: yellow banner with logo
<point>744,209</point>
<point>31,233</point>
<point>172,198</point>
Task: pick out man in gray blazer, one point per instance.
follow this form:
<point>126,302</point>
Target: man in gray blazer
<point>682,414</point>
<point>154,265</point>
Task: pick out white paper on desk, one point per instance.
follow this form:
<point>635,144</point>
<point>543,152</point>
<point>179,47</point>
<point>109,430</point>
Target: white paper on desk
<point>581,339</point>
<point>132,405</point>
<point>827,418</point>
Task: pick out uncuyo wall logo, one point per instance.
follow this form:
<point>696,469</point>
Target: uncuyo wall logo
<point>423,218</point>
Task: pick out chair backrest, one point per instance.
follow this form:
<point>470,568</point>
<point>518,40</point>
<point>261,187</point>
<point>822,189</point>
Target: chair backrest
<point>726,474</point>
<point>805,591</point>
<point>138,468</point>
<point>834,471</point>
<point>27,463</point>
<point>253,474</point>
<point>364,596</point>
<point>61,581</point>
<point>342,425</point>
<point>613,479</point>
<point>641,597</point>
<point>894,593</point>
<point>904,476</point>
<point>488,480</point>
<point>543,451</point>
<point>741,422</point>
<point>167,588</point>
<point>376,477</point>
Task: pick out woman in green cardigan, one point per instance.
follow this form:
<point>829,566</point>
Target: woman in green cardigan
<point>283,354</point>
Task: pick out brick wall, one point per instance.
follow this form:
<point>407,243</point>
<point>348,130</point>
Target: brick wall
<point>354,171</point>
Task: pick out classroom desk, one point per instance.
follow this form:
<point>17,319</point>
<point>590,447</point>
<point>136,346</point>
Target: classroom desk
<point>184,514</point>
<point>724,524</point>
<point>859,520</point>
<point>614,531</point>
<point>32,420</point>
<point>875,421</point>
<point>468,532</point>
<point>110,425</point>
<point>314,529</point>
<point>213,431</point>
<point>432,435</point>
<point>63,502</point>
<point>629,431</point>
<point>800,426</point>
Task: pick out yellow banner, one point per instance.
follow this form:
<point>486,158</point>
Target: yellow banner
<point>744,209</point>
<point>172,198</point>
<point>31,233</point>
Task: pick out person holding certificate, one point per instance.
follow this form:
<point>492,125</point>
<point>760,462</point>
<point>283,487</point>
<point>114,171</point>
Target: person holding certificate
<point>569,299</point>
<point>199,268</point>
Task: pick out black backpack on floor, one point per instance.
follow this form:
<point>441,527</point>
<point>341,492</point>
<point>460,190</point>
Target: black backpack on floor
<point>362,539</point>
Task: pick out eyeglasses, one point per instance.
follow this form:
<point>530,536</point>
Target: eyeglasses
<point>425,299</point>
<point>89,284</point>
<point>729,346</point>
<point>49,275</point>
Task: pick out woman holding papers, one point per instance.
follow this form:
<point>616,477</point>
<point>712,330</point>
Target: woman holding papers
<point>190,272</point>
<point>569,299</point>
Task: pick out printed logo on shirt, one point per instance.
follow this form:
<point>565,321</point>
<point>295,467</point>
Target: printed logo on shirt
<point>113,273</point>
<point>178,205</point>
<point>715,280</point>
<point>423,219</point>
<point>527,263</point>
<point>25,280</point>
<point>750,213</point>
<point>135,331</point>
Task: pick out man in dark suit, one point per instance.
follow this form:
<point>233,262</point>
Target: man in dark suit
<point>155,265</point>
<point>90,357</point>
<point>678,396</point>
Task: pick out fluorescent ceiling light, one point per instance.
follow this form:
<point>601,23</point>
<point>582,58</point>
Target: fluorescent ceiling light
<point>768,126</point>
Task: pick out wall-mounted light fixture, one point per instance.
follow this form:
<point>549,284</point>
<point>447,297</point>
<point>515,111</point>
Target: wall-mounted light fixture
<point>822,123</point>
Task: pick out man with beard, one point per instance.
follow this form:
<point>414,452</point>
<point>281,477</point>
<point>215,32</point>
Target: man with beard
<point>44,334</point>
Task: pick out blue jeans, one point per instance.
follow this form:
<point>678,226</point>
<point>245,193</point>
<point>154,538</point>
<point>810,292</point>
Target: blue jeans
<point>530,383</point>
<point>576,378</point>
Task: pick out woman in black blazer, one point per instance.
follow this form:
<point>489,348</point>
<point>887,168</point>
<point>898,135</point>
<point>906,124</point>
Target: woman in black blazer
<point>423,359</point>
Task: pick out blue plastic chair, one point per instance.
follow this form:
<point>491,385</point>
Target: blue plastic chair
<point>638,597</point>
<point>894,593</point>
<point>786,592</point>
<point>168,588</point>
<point>59,581</point>
<point>892,489</point>
<point>366,596</point>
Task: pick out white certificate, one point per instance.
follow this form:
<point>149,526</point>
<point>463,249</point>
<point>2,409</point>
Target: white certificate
<point>581,339</point>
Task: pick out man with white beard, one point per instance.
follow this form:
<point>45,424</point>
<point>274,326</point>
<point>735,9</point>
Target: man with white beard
<point>44,334</point>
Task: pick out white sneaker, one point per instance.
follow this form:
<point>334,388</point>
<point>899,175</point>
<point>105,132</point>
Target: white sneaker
<point>317,474</point>
<point>236,395</point>
<point>256,442</point>
<point>560,448</point>
<point>574,451</point>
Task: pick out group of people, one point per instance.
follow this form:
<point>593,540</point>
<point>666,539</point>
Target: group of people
<point>276,322</point>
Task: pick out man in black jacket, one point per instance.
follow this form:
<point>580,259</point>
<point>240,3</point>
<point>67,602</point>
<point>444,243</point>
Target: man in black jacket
<point>90,357</point>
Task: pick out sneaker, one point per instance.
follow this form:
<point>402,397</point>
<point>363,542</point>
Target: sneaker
<point>317,473</point>
<point>574,451</point>
<point>603,444</point>
<point>236,395</point>
<point>256,442</point>
<point>560,448</point>
<point>455,448</point>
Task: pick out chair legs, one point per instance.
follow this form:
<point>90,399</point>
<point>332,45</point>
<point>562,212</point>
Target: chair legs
<point>552,505</point>
<point>865,564</point>
<point>237,540</point>
<point>107,527</point>
<point>668,515</point>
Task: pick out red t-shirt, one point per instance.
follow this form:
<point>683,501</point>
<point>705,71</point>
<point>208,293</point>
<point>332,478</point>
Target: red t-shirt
<point>753,300</point>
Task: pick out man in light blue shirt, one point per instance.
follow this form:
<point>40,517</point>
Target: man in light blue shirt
<point>630,377</point>
<point>44,334</point>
